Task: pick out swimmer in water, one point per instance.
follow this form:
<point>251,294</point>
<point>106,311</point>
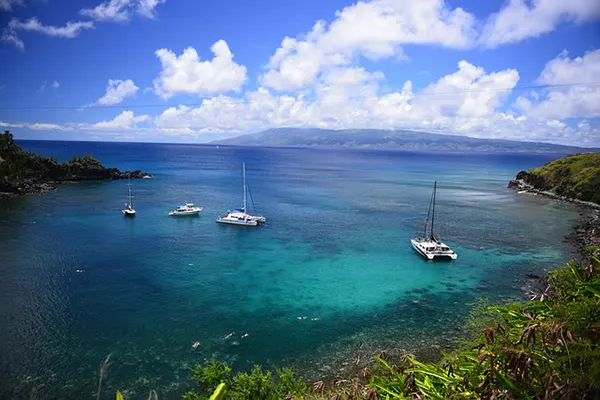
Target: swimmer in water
<point>229,335</point>
<point>195,345</point>
<point>245,335</point>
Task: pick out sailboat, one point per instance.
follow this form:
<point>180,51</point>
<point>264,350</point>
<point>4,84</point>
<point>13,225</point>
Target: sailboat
<point>429,246</point>
<point>128,211</point>
<point>241,216</point>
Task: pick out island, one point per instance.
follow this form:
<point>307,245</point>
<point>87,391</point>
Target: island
<point>23,172</point>
<point>389,139</point>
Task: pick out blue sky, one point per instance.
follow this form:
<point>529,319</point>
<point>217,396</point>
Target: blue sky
<point>195,71</point>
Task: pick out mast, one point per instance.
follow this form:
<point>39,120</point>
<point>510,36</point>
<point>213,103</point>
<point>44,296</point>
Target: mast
<point>244,168</point>
<point>130,203</point>
<point>427,219</point>
<point>433,210</point>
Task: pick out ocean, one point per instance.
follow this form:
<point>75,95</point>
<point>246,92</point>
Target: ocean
<point>332,273</point>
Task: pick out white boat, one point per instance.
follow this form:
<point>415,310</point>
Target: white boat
<point>241,216</point>
<point>128,211</point>
<point>429,246</point>
<point>186,209</point>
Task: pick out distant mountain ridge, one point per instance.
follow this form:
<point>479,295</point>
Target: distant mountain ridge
<point>384,139</point>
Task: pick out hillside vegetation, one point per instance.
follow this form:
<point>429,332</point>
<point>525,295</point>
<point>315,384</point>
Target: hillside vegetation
<point>576,176</point>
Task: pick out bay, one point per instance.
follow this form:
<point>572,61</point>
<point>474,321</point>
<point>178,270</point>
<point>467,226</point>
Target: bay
<point>334,253</point>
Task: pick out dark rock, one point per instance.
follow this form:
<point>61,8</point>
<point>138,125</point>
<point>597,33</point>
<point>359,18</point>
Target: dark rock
<point>532,276</point>
<point>22,172</point>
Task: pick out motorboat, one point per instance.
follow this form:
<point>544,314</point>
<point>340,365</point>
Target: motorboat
<point>186,209</point>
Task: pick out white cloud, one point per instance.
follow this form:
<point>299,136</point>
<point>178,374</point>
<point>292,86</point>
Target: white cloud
<point>374,30</point>
<point>125,120</point>
<point>146,7</point>
<point>43,87</point>
<point>521,19</point>
<point>186,74</point>
<point>113,10</point>
<point>122,10</point>
<point>348,98</point>
<point>55,85</point>
<point>70,30</point>
<point>7,5</point>
<point>554,123</point>
<point>9,36</point>
<point>117,90</point>
<point>569,101</point>
<point>563,70</point>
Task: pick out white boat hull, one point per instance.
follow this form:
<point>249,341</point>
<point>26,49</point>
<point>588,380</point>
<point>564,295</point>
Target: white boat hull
<point>433,254</point>
<point>128,213</point>
<point>184,213</point>
<point>247,222</point>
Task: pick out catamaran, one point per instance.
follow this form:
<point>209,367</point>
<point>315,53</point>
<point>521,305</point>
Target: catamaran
<point>186,209</point>
<point>240,216</point>
<point>429,246</point>
<point>128,211</point>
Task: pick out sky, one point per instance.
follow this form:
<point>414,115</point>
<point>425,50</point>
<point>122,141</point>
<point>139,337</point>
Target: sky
<point>196,71</point>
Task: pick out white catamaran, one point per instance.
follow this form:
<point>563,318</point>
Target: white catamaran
<point>429,246</point>
<point>128,211</point>
<point>240,216</point>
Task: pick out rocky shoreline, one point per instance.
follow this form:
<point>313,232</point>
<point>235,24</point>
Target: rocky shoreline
<point>586,233</point>
<point>23,173</point>
<point>41,187</point>
<point>531,183</point>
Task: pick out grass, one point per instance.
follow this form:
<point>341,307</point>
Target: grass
<point>576,176</point>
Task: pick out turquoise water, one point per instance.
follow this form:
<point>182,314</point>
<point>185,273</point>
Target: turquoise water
<point>335,250</point>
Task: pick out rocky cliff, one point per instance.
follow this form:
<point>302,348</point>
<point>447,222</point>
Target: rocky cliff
<point>575,177</point>
<point>23,172</point>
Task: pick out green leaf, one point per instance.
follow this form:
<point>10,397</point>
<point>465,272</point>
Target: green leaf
<point>119,396</point>
<point>219,392</point>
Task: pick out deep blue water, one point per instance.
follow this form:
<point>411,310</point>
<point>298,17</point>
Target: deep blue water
<point>335,250</point>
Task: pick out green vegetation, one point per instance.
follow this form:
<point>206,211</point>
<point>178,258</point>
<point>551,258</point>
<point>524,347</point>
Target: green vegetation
<point>259,384</point>
<point>576,176</point>
<point>548,347</point>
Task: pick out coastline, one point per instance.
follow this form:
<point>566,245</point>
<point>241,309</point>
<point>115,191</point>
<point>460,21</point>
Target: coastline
<point>23,172</point>
<point>586,232</point>
<point>41,187</point>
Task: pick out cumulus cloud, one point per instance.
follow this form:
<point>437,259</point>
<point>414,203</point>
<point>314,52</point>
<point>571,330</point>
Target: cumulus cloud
<point>521,19</point>
<point>7,5</point>
<point>569,101</point>
<point>125,120</point>
<point>122,10</point>
<point>186,74</point>
<point>348,98</point>
<point>374,30</point>
<point>117,90</point>
<point>55,85</point>
<point>468,101</point>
